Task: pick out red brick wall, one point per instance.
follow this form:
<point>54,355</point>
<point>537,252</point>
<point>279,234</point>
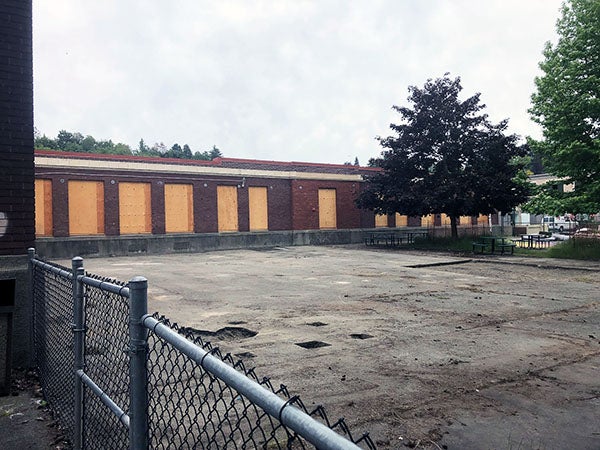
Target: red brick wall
<point>157,205</point>
<point>204,191</point>
<point>305,204</point>
<point>17,225</point>
<point>278,201</point>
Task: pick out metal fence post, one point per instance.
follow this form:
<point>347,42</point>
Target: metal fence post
<point>31,256</point>
<point>138,350</point>
<point>78,337</point>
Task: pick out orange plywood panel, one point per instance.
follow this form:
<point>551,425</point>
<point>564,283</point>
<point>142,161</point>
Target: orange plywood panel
<point>465,220</point>
<point>86,207</point>
<point>428,220</point>
<point>401,220</point>
<point>179,208</point>
<point>381,220</point>
<point>43,207</point>
<point>327,208</point>
<point>135,213</point>
<point>227,206</point>
<point>258,208</point>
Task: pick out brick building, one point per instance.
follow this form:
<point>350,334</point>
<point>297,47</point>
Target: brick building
<point>16,183</point>
<point>114,205</point>
<point>111,195</point>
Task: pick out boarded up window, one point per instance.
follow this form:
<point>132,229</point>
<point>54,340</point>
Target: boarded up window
<point>43,207</point>
<point>465,220</point>
<point>179,208</point>
<point>86,207</point>
<point>259,216</point>
<point>135,216</point>
<point>381,220</point>
<point>428,220</point>
<point>401,220</point>
<point>227,206</point>
<point>327,212</point>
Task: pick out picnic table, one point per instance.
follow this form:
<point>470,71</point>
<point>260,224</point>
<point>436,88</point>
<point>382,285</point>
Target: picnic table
<point>489,244</point>
<point>391,238</point>
<point>533,241</point>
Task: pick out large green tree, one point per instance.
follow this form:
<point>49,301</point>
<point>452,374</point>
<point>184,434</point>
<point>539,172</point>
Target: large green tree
<point>567,106</point>
<point>446,157</point>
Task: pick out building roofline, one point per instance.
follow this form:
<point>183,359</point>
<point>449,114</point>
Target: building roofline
<point>217,162</point>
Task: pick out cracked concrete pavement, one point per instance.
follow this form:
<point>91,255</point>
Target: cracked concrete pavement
<point>423,349</point>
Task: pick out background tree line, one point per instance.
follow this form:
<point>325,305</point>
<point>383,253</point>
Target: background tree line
<point>77,142</point>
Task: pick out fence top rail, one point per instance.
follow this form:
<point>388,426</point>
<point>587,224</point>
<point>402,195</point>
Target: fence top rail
<point>60,271</point>
<point>306,426</point>
<point>123,291</point>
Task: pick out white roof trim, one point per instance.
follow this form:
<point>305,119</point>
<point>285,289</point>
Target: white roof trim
<point>137,166</point>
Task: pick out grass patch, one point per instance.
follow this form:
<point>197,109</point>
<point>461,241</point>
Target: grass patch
<point>584,249</point>
<point>580,248</point>
<point>533,252</point>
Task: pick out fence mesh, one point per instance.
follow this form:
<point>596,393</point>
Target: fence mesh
<point>53,340</point>
<point>189,408</point>
<point>107,364</point>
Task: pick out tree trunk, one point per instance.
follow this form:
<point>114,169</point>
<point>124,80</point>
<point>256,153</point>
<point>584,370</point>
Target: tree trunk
<point>454,226</point>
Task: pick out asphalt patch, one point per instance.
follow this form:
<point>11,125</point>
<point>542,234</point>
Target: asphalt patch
<point>223,334</point>
<point>313,344</point>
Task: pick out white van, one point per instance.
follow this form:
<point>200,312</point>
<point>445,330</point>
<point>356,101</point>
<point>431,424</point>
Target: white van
<point>559,223</point>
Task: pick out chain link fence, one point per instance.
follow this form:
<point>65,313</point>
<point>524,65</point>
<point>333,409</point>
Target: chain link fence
<point>107,363</point>
<point>228,418</point>
<point>191,396</point>
<point>53,340</point>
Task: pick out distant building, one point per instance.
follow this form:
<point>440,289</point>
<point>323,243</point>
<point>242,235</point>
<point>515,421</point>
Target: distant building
<point>80,196</point>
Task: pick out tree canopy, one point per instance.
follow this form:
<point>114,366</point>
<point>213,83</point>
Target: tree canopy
<point>446,157</point>
<point>77,142</point>
<point>567,106</point>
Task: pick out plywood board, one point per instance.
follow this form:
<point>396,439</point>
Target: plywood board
<point>401,220</point>
<point>179,208</point>
<point>43,207</point>
<point>258,208</point>
<point>135,213</point>
<point>227,205</point>
<point>327,208</point>
<point>86,207</point>
<point>381,220</point>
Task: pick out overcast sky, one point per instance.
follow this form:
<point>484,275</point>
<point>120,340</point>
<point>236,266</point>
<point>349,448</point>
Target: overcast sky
<point>281,80</point>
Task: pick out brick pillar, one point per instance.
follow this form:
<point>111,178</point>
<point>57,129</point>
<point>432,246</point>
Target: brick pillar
<point>17,225</point>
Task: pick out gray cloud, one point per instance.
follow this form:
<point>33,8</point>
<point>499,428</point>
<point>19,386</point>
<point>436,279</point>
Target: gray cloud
<point>285,80</point>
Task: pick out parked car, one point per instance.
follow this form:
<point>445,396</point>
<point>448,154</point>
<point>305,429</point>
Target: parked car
<point>559,223</point>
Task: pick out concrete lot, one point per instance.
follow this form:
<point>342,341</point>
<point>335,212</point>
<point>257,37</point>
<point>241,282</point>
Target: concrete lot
<point>422,350</point>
